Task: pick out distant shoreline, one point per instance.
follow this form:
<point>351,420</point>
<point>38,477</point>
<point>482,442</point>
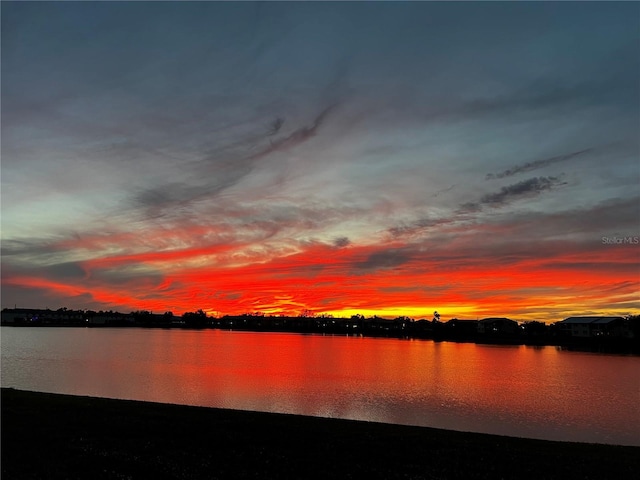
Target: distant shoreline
<point>612,345</point>
<point>61,436</point>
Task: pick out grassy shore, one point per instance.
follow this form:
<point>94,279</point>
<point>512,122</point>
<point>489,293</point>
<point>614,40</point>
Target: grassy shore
<point>59,436</point>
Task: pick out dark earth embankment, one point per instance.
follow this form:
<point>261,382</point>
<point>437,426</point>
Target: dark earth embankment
<point>51,436</point>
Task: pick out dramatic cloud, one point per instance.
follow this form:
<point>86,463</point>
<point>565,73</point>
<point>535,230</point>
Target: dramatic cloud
<point>283,157</point>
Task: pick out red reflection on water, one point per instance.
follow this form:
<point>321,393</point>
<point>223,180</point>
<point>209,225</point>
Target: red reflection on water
<point>510,390</point>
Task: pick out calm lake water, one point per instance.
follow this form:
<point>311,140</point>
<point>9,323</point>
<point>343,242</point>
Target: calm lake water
<point>537,392</point>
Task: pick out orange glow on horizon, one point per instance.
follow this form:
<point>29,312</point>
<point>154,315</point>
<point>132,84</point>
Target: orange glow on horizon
<point>322,279</point>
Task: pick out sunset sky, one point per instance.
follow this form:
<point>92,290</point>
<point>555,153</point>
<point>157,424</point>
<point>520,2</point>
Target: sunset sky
<point>479,159</point>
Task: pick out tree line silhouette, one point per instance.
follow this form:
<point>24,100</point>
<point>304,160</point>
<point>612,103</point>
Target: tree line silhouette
<point>488,330</point>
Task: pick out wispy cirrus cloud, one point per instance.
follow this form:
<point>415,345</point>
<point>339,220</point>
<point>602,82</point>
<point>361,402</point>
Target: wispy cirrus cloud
<point>221,170</point>
<point>516,191</point>
<point>529,166</point>
<point>421,224</point>
<point>526,188</point>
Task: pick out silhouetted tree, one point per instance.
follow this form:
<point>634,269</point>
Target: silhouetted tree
<point>196,319</point>
<point>143,317</point>
<point>634,326</point>
<point>535,328</point>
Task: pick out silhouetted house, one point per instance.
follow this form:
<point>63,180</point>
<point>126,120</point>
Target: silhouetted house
<point>379,324</point>
<point>12,316</point>
<point>29,316</point>
<point>608,327</point>
<point>44,317</point>
<point>593,326</point>
<point>110,319</point>
<point>497,325</point>
<point>459,327</point>
<point>65,317</point>
<point>422,327</point>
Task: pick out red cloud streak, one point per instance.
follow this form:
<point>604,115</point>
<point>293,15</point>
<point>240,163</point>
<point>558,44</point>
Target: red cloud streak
<point>403,280</point>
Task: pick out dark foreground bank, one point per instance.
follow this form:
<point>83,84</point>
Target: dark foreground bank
<point>59,436</point>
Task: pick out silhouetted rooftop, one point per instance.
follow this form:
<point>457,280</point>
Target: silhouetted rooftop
<point>590,319</point>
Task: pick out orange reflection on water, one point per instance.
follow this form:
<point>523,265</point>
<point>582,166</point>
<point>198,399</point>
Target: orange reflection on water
<point>512,390</point>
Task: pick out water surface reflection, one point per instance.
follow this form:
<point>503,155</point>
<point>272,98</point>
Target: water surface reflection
<point>537,392</point>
